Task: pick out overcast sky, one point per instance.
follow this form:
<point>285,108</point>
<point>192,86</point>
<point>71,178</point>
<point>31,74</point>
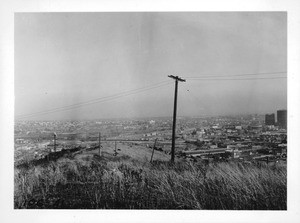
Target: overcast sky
<point>63,59</point>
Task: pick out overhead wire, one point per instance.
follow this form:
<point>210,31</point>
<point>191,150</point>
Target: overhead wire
<point>143,89</point>
<point>237,75</point>
<point>234,79</point>
<point>95,101</point>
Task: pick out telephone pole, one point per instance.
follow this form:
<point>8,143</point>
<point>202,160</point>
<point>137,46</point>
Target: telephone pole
<point>99,144</point>
<point>153,150</point>
<point>54,141</point>
<point>115,148</point>
<point>176,78</point>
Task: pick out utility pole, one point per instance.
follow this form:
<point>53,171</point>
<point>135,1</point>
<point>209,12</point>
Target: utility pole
<point>153,150</point>
<point>176,78</point>
<point>54,142</point>
<point>99,144</point>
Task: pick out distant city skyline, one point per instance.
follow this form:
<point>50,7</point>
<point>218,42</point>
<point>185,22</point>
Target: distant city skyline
<point>143,118</point>
<point>115,65</point>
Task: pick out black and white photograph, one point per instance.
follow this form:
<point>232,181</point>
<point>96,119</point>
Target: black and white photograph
<point>184,111</point>
<point>98,124</point>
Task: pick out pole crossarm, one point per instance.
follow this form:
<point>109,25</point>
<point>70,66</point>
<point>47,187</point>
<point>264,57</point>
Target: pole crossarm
<point>176,78</point>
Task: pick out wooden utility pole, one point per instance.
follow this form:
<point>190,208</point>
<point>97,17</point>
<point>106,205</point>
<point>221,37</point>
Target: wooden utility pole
<point>99,144</point>
<point>54,142</point>
<point>176,78</point>
<point>153,150</point>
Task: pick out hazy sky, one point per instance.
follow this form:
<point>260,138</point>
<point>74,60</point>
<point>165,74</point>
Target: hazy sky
<point>68,58</point>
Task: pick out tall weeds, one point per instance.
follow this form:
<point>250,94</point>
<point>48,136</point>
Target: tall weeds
<point>138,185</point>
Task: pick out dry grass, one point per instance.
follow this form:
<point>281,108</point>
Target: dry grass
<point>130,184</point>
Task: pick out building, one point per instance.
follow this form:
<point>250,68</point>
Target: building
<point>270,119</point>
<point>151,122</point>
<point>282,119</point>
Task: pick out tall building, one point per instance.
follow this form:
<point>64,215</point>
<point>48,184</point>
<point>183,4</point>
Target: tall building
<point>270,119</point>
<point>282,118</point>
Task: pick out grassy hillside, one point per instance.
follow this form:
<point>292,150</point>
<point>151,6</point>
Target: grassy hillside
<point>122,182</point>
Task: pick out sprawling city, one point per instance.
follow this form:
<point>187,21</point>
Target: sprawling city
<point>249,138</point>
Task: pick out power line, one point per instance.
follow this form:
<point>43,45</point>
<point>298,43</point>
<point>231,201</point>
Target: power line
<point>94,101</point>
<point>139,90</point>
<point>235,79</point>
<point>237,75</point>
<point>229,79</point>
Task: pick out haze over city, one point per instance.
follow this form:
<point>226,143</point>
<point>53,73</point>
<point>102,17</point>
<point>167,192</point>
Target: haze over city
<point>63,59</point>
